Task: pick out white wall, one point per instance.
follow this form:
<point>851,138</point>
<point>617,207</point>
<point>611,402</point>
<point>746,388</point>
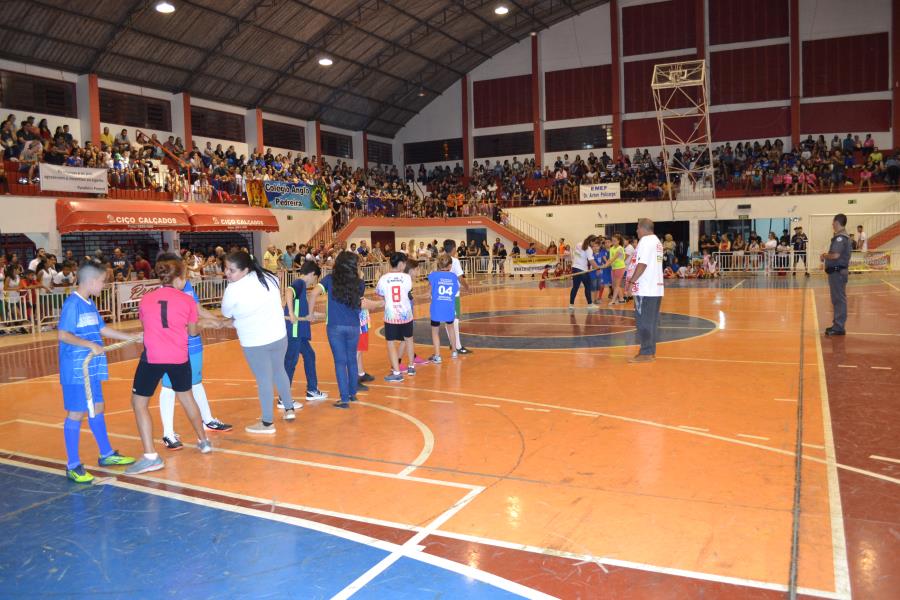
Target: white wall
<point>515,60</point>
<point>296,226</point>
<point>577,221</point>
<point>422,234</point>
<point>582,41</point>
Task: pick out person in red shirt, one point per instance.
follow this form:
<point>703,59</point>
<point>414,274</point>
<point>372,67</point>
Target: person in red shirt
<point>142,265</point>
<point>168,316</point>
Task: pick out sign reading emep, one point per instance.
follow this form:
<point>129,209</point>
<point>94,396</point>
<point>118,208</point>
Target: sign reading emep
<point>600,191</point>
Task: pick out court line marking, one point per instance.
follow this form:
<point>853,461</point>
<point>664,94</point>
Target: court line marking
<point>488,405</point>
<point>545,410</point>
<point>838,539</point>
<point>882,368</point>
<point>738,284</point>
<point>283,459</point>
<point>753,437</point>
<point>785,399</point>
<point>639,421</point>
<point>398,397</point>
<point>427,437</point>
<point>886,282</point>
<point>885,458</point>
<point>444,533</point>
<point>816,446</point>
<point>415,552</point>
<point>688,427</point>
<point>846,366</point>
<point>411,543</point>
<point>441,401</point>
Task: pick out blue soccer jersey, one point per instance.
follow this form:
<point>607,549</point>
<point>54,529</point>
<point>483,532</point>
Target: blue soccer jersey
<point>195,342</point>
<point>444,287</point>
<point>80,318</point>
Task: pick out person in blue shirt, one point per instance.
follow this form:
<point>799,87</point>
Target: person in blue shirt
<point>602,277</point>
<point>299,331</point>
<point>170,439</point>
<point>81,333</point>
<point>531,251</point>
<point>345,289</point>
<point>444,287</point>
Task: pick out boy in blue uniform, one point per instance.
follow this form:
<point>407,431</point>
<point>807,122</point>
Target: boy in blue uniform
<point>299,332</point>
<point>81,332</point>
<point>170,439</point>
<point>444,287</point>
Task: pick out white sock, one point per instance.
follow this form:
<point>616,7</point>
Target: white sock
<point>202,402</point>
<point>456,330</point>
<point>152,456</point>
<point>167,411</point>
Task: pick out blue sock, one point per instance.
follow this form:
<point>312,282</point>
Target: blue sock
<point>98,428</point>
<point>72,431</point>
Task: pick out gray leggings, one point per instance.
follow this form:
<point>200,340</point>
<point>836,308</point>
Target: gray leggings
<point>267,364</point>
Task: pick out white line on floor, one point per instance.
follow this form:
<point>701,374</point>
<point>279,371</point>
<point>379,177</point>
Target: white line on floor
<point>397,397</point>
<point>546,410</point>
<point>816,446</point>
<point>738,284</point>
<point>846,366</point>
<point>442,401</point>
<point>785,399</point>
<point>753,437</point>
<point>885,458</point>
<point>427,437</point>
<point>882,368</point>
<point>692,428</point>
<point>488,405</point>
<point>17,378</point>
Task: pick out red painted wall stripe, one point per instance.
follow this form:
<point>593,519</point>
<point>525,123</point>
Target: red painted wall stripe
<point>578,93</point>
<point>615,78</point>
<point>503,101</point>
<point>795,71</point>
<point>844,117</point>
<point>732,21</point>
<point>466,135</point>
<point>94,108</point>
<point>846,65</point>
<point>750,74</point>
<point>659,27</point>
<point>188,127</point>
<point>365,149</point>
<point>895,76</point>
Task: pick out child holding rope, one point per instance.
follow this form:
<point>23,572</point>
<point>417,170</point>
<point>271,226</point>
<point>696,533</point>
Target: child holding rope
<point>81,333</point>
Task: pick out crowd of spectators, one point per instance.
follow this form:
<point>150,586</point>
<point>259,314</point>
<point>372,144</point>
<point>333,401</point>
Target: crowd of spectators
<point>221,174</point>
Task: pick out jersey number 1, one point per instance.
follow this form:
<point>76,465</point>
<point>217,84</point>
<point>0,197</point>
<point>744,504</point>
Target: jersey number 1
<point>164,313</point>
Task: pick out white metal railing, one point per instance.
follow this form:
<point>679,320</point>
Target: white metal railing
<point>16,311</point>
<point>535,233</point>
<point>210,291</point>
<point>778,262</point>
<point>49,305</point>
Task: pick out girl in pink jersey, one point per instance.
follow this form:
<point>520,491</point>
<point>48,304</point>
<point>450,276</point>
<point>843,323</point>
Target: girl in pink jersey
<point>168,316</point>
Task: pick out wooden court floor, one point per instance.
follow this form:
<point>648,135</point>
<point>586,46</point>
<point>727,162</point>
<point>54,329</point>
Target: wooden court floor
<point>541,467</point>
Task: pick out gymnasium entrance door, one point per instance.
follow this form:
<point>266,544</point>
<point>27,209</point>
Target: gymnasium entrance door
<point>385,238</point>
<point>478,235</point>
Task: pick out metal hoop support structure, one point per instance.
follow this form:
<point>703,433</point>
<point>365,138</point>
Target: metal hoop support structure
<point>682,116</point>
<point>85,367</point>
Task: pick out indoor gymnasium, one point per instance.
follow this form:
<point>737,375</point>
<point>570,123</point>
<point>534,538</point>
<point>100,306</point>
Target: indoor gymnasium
<point>408,299</point>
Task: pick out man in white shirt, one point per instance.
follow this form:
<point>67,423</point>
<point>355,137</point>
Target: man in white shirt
<point>41,253</point>
<point>862,240</point>
<point>645,280</point>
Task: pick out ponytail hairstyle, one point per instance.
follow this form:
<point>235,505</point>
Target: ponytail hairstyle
<point>588,241</point>
<point>242,260</point>
<point>169,267</point>
<point>346,284</point>
<point>397,258</point>
<point>618,238</point>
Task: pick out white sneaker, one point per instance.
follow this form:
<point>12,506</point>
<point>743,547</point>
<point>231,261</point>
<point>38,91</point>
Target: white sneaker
<point>290,415</point>
<point>316,396</point>
<point>258,427</point>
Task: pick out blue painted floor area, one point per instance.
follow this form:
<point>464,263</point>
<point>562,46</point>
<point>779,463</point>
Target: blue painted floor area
<point>411,579</point>
<point>60,539</point>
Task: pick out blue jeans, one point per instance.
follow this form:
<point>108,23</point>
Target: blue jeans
<point>343,340</point>
<point>298,347</point>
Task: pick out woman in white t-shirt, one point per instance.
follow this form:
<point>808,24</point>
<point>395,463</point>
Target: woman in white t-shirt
<point>252,301</point>
<point>771,246</point>
<point>582,263</point>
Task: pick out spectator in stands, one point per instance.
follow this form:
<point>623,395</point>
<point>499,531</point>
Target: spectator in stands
<point>120,265</point>
<point>122,143</point>
<point>29,159</point>
<point>142,265</point>
<point>270,259</point>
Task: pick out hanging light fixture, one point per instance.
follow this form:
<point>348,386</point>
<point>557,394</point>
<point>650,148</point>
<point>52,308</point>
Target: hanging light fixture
<point>166,8</point>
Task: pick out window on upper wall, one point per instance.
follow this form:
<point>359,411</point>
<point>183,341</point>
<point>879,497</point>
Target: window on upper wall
<point>26,92</point>
<point>335,144</point>
<point>504,144</point>
<point>380,153</point>
<point>217,124</point>
<point>432,151</point>
<point>284,135</point>
<point>120,108</point>
<point>578,138</point>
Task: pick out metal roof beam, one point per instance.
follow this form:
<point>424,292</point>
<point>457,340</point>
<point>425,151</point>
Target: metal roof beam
<point>439,27</point>
<point>382,39</point>
<point>530,12</point>
<point>119,29</point>
<point>506,34</point>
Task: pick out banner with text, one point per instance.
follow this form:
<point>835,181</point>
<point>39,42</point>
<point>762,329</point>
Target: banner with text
<point>129,294</point>
<point>285,194</point>
<point>73,179</point>
<point>600,191</point>
<point>530,265</point>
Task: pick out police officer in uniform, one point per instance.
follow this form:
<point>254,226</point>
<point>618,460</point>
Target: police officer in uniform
<point>837,263</point>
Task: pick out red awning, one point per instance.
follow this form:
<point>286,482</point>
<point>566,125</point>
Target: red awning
<point>228,217</point>
<point>119,215</point>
